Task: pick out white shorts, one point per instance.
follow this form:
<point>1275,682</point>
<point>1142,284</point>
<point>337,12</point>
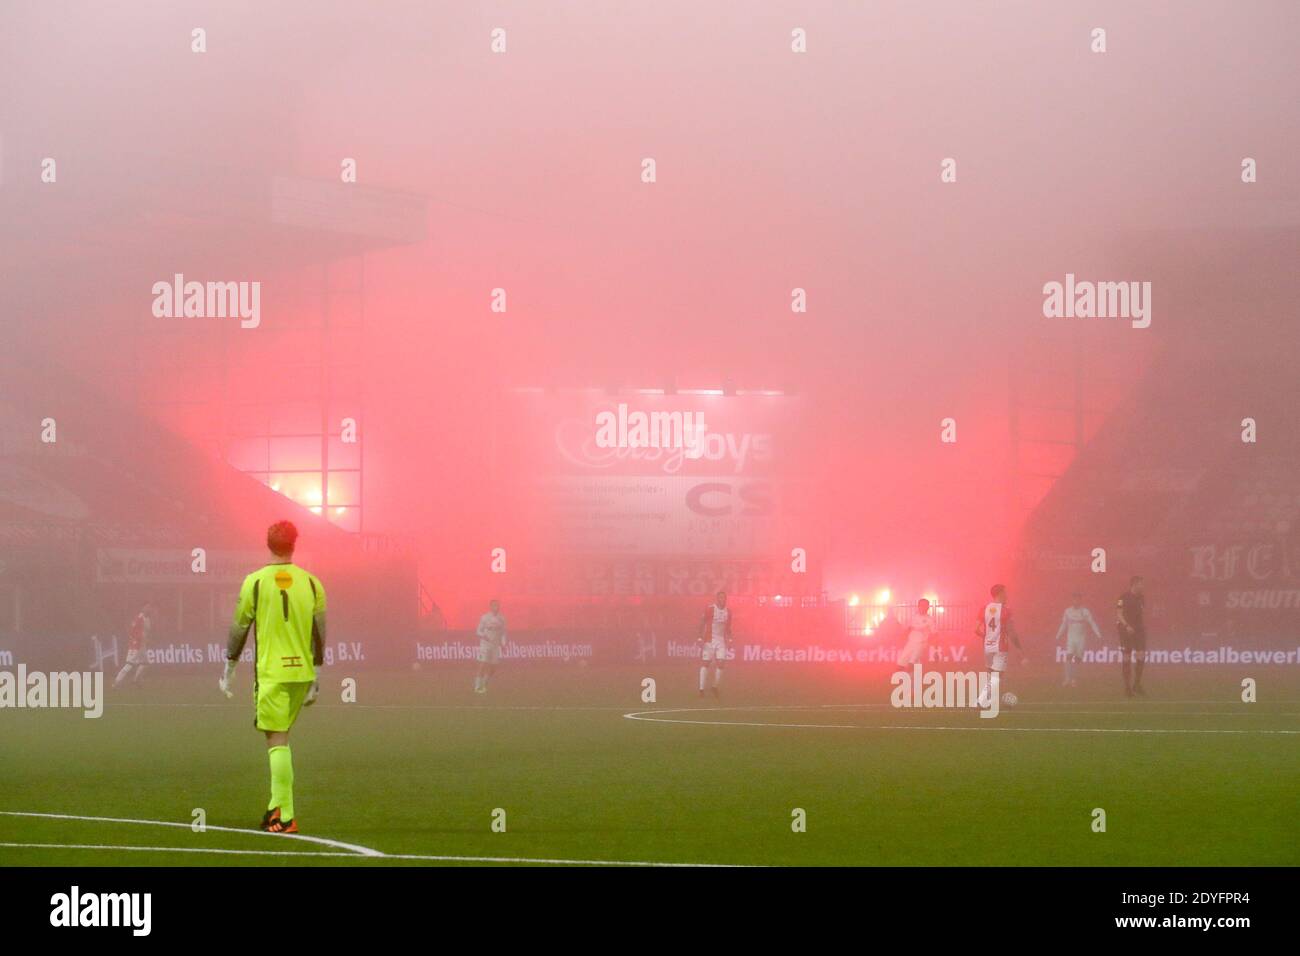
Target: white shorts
<point>489,652</point>
<point>913,651</point>
<point>134,657</point>
<point>714,650</point>
<point>995,660</point>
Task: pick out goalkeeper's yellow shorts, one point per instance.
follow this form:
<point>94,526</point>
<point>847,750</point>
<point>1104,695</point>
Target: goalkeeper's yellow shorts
<point>279,703</point>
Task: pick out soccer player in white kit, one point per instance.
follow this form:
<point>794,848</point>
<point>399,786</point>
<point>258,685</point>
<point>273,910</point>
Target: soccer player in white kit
<point>491,637</point>
<point>998,634</point>
<point>715,635</point>
<point>920,625</point>
<point>1074,625</point>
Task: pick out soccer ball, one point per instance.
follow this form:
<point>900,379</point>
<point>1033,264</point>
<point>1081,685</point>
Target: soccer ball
<point>1010,699</point>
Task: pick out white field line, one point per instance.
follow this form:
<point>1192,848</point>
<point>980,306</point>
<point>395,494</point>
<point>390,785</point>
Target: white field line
<point>353,856</point>
<point>179,849</point>
<point>355,852</point>
<point>337,844</point>
<point>654,717</point>
<point>1146,704</point>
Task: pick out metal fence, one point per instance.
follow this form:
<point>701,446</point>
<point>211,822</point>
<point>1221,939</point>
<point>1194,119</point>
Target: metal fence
<point>864,620</point>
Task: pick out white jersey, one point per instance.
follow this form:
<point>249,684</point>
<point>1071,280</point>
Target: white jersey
<point>920,626</point>
<point>996,619</point>
<point>1075,624</point>
<point>721,623</point>
<point>492,628</point>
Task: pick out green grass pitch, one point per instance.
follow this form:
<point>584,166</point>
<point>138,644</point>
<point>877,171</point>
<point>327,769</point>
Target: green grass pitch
<point>419,763</point>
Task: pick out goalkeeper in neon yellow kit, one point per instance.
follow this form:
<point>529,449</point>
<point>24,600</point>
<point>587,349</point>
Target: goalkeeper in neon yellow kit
<point>285,607</point>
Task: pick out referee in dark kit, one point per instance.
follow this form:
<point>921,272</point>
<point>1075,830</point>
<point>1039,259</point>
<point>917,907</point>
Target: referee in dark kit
<point>1132,636</point>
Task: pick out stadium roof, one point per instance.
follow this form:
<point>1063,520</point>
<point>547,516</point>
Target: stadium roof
<point>161,492</point>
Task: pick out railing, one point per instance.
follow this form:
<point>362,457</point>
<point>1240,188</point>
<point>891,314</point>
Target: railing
<point>816,619</point>
<point>865,620</point>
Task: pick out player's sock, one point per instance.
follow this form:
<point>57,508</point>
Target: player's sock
<point>717,676</point>
<point>704,670</point>
<point>1137,676</point>
<point>121,675</point>
<point>1126,667</point>
<point>138,671</point>
<point>993,691</point>
<point>282,781</point>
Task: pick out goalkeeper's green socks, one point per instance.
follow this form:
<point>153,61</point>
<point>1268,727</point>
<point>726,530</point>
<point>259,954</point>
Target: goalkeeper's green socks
<point>281,781</point>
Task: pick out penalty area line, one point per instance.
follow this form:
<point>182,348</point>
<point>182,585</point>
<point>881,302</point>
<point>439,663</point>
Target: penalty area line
<point>384,857</point>
<point>354,851</point>
<point>180,849</point>
<point>337,844</point>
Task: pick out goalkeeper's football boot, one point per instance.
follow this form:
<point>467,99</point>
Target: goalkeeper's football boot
<point>272,823</point>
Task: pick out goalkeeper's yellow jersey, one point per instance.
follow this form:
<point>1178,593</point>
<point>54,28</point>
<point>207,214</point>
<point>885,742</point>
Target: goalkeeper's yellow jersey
<point>280,601</point>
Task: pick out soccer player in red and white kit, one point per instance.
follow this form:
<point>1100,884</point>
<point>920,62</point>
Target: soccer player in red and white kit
<point>137,644</point>
<point>715,636</point>
<point>998,634</point>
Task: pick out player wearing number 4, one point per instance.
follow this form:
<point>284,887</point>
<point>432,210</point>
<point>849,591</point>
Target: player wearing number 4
<point>715,636</point>
<point>284,605</point>
<point>998,634</point>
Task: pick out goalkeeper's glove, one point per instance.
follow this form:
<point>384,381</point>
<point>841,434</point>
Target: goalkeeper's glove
<point>227,682</point>
<point>312,693</point>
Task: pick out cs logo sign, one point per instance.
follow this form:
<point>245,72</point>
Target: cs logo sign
<point>721,499</point>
